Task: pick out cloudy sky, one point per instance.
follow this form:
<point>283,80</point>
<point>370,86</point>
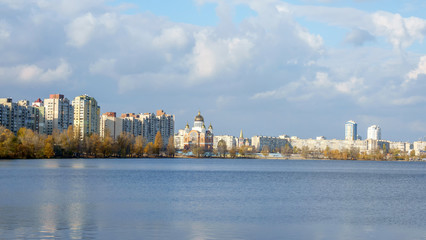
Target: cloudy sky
<point>270,67</point>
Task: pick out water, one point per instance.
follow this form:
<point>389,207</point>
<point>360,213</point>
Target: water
<point>211,199</point>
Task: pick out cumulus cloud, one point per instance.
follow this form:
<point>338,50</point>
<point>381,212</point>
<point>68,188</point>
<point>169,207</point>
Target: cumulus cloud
<point>35,74</point>
<point>421,69</point>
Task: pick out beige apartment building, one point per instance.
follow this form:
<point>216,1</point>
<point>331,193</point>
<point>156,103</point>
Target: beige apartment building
<point>58,113</point>
<point>111,124</point>
<point>86,116</point>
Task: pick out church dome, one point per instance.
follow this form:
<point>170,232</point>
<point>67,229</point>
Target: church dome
<point>199,117</point>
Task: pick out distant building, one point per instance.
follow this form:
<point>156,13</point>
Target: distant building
<point>274,143</point>
<point>148,124</point>
<point>86,116</point>
<point>230,141</point>
<point>39,104</point>
<point>199,135</point>
<point>160,122</point>
<point>374,132</point>
<point>179,139</point>
<point>14,116</point>
<point>351,130</point>
<point>58,113</point>
<point>241,141</point>
<point>111,124</point>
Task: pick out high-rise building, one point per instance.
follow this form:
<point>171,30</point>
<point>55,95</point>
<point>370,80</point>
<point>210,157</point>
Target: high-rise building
<point>58,113</point>
<point>14,116</point>
<point>132,124</point>
<point>148,124</point>
<point>86,116</point>
<point>111,124</point>
<point>351,130</point>
<point>374,132</point>
<point>39,104</point>
<point>162,122</point>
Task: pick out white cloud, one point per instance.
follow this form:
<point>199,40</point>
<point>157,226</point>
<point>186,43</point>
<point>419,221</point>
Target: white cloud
<point>401,32</point>
<point>35,74</point>
<point>352,86</point>
<point>80,30</point>
<point>421,69</point>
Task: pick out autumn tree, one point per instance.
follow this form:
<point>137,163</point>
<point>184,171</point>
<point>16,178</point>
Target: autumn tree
<point>197,151</point>
<point>171,150</point>
<point>149,149</point>
<point>221,148</point>
<point>48,147</point>
<point>265,150</point>
<point>158,143</point>
<point>305,151</point>
<point>233,152</point>
<point>125,142</point>
<point>138,148</point>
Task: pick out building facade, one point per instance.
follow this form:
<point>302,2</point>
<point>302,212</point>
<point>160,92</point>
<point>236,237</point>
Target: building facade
<point>199,135</point>
<point>230,141</point>
<point>111,124</point>
<point>14,116</point>
<point>374,132</point>
<point>58,113</point>
<point>86,116</point>
<point>351,130</point>
<point>39,104</point>
<point>273,143</point>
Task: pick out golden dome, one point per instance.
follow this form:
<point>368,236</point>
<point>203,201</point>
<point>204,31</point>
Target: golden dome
<point>199,117</point>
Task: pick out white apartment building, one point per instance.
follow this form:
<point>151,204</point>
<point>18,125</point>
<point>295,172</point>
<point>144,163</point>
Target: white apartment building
<point>58,113</point>
<point>374,132</point>
<point>230,141</point>
<point>179,139</point>
<point>86,116</point>
<point>112,124</point>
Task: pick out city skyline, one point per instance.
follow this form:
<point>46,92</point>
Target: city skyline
<point>299,68</point>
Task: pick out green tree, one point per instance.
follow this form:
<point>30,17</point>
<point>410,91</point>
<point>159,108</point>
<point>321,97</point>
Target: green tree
<point>221,148</point>
<point>158,143</point>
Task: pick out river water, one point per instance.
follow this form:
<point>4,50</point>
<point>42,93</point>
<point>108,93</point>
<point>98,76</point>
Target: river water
<point>211,199</point>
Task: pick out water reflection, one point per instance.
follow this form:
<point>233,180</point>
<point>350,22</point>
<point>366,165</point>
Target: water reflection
<point>203,199</point>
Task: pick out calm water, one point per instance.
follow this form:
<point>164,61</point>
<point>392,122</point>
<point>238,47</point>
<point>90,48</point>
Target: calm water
<point>211,199</point>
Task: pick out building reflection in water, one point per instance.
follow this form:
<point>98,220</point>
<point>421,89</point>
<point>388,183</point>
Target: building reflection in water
<point>64,211</point>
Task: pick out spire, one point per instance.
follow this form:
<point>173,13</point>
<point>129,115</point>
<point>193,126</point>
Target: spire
<point>187,125</point>
<point>241,134</point>
<point>210,126</point>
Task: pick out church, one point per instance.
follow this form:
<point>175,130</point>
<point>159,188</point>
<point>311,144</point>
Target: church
<point>199,135</point>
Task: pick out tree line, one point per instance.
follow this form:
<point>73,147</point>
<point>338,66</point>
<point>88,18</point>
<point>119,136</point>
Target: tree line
<point>28,144</point>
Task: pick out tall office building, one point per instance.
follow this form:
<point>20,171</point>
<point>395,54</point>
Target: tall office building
<point>86,116</point>
<point>112,124</point>
<point>374,132</point>
<point>58,113</point>
<point>351,130</point>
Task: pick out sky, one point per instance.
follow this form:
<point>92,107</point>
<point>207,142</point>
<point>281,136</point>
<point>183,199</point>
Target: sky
<point>271,67</point>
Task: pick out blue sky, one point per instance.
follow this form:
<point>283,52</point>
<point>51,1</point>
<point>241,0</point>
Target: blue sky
<point>268,67</point>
